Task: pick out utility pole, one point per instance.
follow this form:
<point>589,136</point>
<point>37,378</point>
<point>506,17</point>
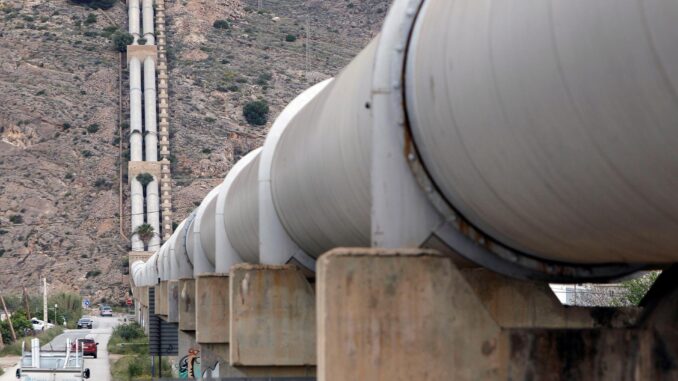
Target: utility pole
<point>9,319</point>
<point>26,303</point>
<point>261,4</point>
<point>44,300</point>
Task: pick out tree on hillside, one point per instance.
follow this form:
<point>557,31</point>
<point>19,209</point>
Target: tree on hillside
<point>256,112</point>
<point>144,178</point>
<point>121,40</point>
<point>145,232</point>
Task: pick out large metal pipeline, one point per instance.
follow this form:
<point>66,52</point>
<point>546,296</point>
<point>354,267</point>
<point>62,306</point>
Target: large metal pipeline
<point>241,216</point>
<point>551,125</point>
<point>320,175</point>
<point>547,126</point>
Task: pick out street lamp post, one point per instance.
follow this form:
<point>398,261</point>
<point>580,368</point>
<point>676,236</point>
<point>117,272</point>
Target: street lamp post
<point>55,314</point>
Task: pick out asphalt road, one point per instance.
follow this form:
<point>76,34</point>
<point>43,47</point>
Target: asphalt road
<point>101,332</point>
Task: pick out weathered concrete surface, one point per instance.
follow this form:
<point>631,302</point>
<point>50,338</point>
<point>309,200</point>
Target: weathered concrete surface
<point>187,304</point>
<point>142,52</point>
<point>214,360</point>
<point>212,311</point>
<point>173,301</point>
<point>272,316</point>
<point>411,315</point>
<point>387,315</point>
<point>589,354</point>
<point>525,304</point>
<point>161,298</point>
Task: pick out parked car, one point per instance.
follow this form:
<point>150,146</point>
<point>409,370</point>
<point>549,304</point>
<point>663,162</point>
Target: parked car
<point>39,325</point>
<point>106,311</point>
<point>85,322</point>
<point>87,346</point>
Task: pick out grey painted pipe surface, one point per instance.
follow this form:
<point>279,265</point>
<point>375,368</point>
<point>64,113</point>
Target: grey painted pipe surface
<point>552,125</point>
<point>150,114</point>
<point>133,17</point>
<point>320,174</point>
<point>241,216</point>
<point>207,230</point>
<point>148,27</point>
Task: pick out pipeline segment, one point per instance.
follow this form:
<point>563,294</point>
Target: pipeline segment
<point>546,127</point>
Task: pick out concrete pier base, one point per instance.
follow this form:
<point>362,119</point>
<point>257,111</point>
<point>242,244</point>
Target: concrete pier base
<point>187,304</point>
<point>212,314</point>
<point>272,317</point>
<point>173,301</point>
<point>161,298</point>
<point>412,315</point>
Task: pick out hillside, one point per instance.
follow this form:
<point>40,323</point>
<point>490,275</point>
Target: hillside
<point>59,142</point>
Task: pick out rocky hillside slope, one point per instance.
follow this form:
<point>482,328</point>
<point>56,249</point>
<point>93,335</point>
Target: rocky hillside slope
<point>59,140</point>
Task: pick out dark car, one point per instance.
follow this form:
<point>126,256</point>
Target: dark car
<point>87,346</point>
<point>85,322</point>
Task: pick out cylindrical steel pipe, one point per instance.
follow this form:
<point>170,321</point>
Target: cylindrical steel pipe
<point>320,177</point>
<point>551,126</point>
<point>241,215</point>
<point>149,32</point>
<point>136,148</point>
<point>184,268</point>
<point>150,115</point>
<point>137,218</point>
<point>133,19</point>
<point>153,213</point>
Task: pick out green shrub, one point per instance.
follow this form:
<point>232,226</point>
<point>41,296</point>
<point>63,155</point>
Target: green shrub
<point>207,151</point>
<point>256,112</point>
<point>144,178</point>
<point>96,4</point>
<point>93,273</point>
<point>290,38</point>
<point>264,78</point>
<point>121,40</point>
<point>141,41</point>
<point>65,126</point>
<point>92,128</point>
<point>86,153</point>
<point>221,24</point>
<point>129,332</point>
<point>16,219</point>
<point>91,18</point>
<point>102,183</point>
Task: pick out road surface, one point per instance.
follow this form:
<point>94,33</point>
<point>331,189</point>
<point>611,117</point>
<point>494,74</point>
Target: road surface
<point>100,332</point>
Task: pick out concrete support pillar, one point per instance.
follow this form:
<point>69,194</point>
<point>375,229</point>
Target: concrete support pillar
<point>135,110</point>
<point>153,213</point>
<point>212,315</point>
<point>148,22</point>
<point>405,315</point>
<point>412,315</point>
<point>133,14</point>
<point>150,117</point>
<point>272,317</point>
<point>173,301</point>
<point>187,304</point>
<point>137,200</point>
<point>161,291</point>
